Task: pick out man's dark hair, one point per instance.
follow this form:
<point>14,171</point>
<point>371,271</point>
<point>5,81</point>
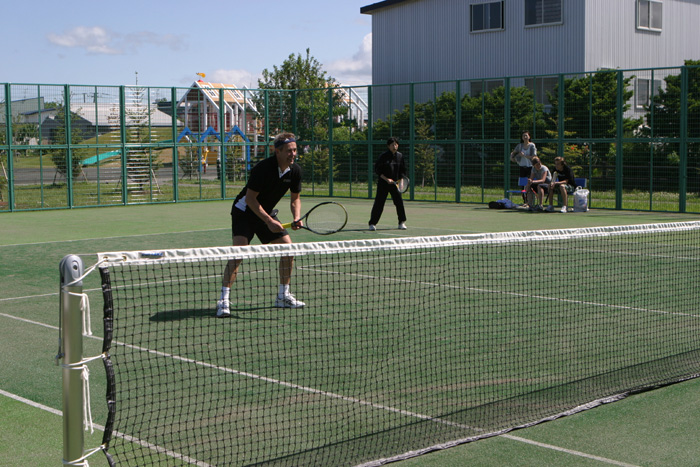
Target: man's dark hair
<point>392,139</point>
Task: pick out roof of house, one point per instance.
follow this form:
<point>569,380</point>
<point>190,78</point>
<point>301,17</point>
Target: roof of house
<point>232,94</point>
<point>376,6</point>
<point>108,114</point>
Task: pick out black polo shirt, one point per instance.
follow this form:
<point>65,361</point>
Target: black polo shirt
<point>265,179</point>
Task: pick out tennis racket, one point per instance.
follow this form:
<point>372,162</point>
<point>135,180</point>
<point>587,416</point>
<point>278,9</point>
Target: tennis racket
<point>323,219</point>
<point>402,184</point>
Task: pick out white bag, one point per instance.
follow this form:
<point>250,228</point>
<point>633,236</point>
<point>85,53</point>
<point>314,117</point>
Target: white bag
<point>580,200</point>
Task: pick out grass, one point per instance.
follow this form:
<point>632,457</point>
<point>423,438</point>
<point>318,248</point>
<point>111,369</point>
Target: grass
<point>653,428</point>
<point>54,195</point>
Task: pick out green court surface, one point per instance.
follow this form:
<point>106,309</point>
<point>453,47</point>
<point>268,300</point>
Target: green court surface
<point>653,428</point>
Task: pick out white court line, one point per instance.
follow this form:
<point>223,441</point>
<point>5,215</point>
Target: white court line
<point>290,385</point>
<point>568,451</point>
<point>111,238</point>
<point>153,447</point>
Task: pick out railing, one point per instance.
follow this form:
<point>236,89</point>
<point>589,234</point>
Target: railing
<point>634,134</point>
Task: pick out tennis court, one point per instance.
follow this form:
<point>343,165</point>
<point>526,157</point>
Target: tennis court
<point>652,428</point>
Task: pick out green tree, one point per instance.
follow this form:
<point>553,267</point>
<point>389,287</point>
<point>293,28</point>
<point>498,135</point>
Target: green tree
<point>590,111</point>
<point>60,137</point>
<point>424,154</point>
<point>300,97</point>
<point>663,119</point>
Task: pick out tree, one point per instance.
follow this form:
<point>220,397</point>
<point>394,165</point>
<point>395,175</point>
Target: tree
<point>665,114</point>
<point>590,111</point>
<point>300,91</point>
<point>60,137</point>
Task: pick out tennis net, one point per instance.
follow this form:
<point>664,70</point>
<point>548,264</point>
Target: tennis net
<point>404,345</point>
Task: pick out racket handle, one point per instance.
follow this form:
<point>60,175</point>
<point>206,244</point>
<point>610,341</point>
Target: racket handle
<point>287,225</point>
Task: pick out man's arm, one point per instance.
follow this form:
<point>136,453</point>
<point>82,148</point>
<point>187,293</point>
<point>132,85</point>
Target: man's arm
<point>251,199</point>
<point>543,179</point>
<point>295,206</point>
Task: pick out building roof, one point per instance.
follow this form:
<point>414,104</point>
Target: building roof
<point>376,6</point>
<point>108,114</point>
<point>232,94</point>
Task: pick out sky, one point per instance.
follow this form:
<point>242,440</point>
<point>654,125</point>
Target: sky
<point>166,43</point>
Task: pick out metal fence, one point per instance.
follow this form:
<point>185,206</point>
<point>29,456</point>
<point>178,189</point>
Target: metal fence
<point>633,134</point>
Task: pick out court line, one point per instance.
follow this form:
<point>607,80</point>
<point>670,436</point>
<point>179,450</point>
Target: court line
<point>568,451</point>
<point>294,386</point>
<point>114,237</point>
<point>153,447</point>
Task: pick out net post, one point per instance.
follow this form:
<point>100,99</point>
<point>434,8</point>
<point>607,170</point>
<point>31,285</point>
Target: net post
<point>71,268</point>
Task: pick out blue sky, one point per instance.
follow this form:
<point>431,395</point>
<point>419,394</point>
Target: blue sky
<point>167,43</point>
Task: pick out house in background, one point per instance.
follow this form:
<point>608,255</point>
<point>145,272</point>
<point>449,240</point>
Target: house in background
<point>199,108</point>
<point>434,40</point>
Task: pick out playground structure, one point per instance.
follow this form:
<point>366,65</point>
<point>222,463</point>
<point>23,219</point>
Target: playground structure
<point>216,109</point>
<point>208,114</point>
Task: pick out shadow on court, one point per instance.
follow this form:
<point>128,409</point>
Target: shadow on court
<point>190,313</point>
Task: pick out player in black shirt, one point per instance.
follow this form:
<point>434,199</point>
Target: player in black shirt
<point>269,181</point>
<point>390,167</point>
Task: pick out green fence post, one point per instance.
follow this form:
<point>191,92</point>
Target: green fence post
<point>370,140</point>
<point>222,145</point>
<point>618,141</point>
<point>683,149</point>
<point>69,150</point>
<point>412,133</point>
<point>173,132</point>
<point>330,141</point>
<point>506,135</point>
<point>9,137</point>
<point>122,138</point>
<point>458,141</point>
<point>560,118</point>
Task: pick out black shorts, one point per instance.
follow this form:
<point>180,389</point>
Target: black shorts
<point>246,224</point>
<point>525,171</point>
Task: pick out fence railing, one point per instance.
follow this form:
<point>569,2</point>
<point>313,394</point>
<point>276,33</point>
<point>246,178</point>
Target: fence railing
<point>633,134</point>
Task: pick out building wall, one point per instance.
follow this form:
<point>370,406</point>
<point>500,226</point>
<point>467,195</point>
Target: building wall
<point>429,40</point>
<point>613,40</point>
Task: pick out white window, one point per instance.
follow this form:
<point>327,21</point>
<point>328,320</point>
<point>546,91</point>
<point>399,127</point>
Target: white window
<point>479,87</point>
<point>542,12</point>
<point>542,86</point>
<point>643,92</point>
<point>486,16</point>
<point>649,14</point>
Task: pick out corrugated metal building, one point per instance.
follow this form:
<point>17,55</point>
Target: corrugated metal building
<point>433,40</point>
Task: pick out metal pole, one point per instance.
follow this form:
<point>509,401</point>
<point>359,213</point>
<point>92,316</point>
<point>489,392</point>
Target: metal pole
<point>71,268</point>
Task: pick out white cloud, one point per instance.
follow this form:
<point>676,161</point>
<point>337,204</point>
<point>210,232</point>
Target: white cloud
<point>356,70</point>
<point>240,78</point>
<point>93,39</point>
<point>98,40</point>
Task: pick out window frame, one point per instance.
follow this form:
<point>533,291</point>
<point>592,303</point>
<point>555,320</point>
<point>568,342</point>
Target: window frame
<point>484,5</point>
<point>646,86</point>
<point>650,19</point>
<point>540,4</point>
<point>490,84</point>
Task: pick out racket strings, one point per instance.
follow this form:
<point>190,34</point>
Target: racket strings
<point>326,218</point>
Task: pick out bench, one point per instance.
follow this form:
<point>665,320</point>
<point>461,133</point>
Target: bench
<point>522,183</point>
<point>580,182</point>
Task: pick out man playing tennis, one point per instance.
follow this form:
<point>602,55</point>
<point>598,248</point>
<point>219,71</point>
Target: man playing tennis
<point>269,181</point>
<point>390,166</point>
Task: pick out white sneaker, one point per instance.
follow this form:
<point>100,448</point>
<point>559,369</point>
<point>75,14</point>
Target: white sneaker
<point>402,226</point>
<point>288,301</point>
<point>372,227</point>
<point>563,209</point>
<point>222,309</point>
<point>550,208</point>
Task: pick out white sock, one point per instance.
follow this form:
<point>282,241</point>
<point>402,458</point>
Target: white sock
<point>284,290</point>
<point>225,292</point>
